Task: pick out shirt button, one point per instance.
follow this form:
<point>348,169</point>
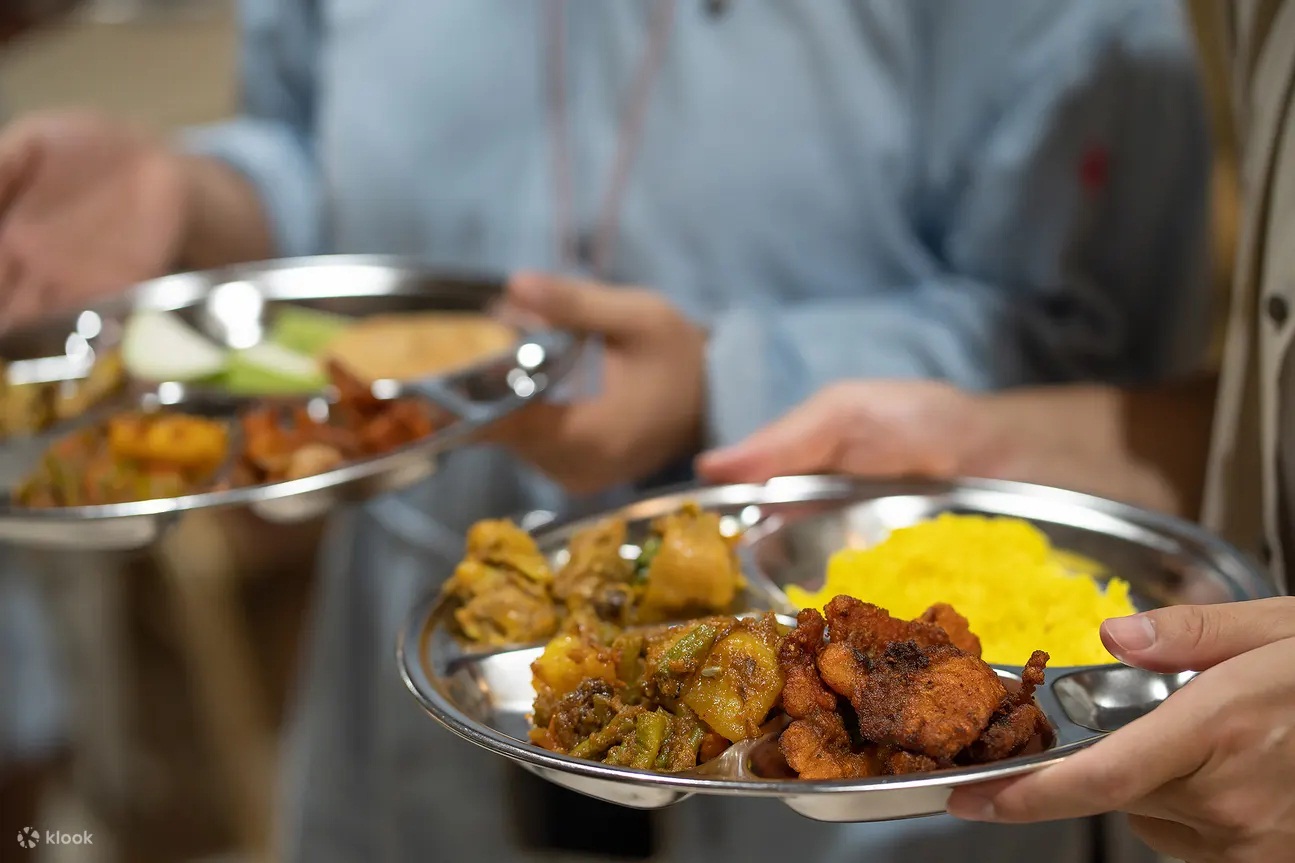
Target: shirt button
<point>1278,309</point>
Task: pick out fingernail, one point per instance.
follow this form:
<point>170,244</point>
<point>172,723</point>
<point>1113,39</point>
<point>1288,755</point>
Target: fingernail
<point>1135,632</point>
<point>972,807</point>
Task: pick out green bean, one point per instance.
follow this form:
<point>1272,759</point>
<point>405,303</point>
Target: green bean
<point>597,744</point>
<point>690,649</point>
<point>649,733</point>
<point>644,561</point>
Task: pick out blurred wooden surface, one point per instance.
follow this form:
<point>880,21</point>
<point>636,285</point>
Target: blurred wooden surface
<point>165,70</point>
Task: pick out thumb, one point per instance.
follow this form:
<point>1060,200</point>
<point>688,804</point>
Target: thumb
<point>807,440</point>
<point>1197,637</point>
<point>586,307</point>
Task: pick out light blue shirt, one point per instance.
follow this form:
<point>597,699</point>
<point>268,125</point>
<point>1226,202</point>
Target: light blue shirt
<point>995,193</point>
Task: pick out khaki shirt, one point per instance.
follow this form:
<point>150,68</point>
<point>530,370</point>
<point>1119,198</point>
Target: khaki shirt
<point>1251,474</point>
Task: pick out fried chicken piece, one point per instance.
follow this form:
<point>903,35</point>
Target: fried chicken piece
<point>819,748</point>
<point>843,668</point>
<point>1007,735</point>
<point>870,629</point>
<point>803,693</point>
<point>932,700</point>
<point>898,762</point>
<point>1016,721</point>
<point>955,625</point>
<point>1031,677</point>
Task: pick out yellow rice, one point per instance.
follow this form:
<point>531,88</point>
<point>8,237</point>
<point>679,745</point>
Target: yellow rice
<point>1018,593</point>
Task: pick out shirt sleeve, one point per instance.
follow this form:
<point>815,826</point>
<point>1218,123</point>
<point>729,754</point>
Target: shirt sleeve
<point>271,140</point>
<point>1069,242</point>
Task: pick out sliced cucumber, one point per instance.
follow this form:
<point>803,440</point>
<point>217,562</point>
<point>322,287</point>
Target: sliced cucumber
<point>271,369</point>
<point>306,331</point>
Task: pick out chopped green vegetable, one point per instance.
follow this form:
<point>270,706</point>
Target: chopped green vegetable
<point>690,649</point>
<point>306,331</point>
<point>596,745</point>
<point>650,730</point>
<point>644,561</point>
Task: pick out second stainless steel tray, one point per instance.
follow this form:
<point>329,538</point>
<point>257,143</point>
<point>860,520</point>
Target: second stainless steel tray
<point>234,306</point>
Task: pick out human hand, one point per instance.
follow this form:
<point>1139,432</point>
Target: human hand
<point>1207,777</point>
<point>88,205</point>
<point>649,409</point>
<point>917,428</point>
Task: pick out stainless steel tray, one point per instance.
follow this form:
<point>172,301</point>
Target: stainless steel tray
<point>232,306</point>
<point>792,525</point>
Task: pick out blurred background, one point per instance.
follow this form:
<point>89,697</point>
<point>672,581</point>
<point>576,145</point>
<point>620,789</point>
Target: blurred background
<point>181,684</point>
<point>149,770</point>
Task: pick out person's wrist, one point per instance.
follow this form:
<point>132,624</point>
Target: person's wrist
<point>189,170</point>
<point>222,221</point>
<point>991,441</point>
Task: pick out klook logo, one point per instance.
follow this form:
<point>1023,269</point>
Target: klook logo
<point>28,837</point>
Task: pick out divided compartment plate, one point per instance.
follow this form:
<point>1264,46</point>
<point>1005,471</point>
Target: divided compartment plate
<point>234,306</point>
<point>790,526</point>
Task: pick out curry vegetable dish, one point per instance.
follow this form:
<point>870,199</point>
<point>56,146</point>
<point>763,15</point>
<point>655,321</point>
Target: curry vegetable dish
<point>504,591</point>
<point>145,456</point>
<point>849,692</point>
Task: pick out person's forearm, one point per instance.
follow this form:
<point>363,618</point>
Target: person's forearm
<point>225,220</point>
<point>1142,446</point>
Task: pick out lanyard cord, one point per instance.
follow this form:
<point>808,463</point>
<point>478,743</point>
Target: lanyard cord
<point>628,137</point>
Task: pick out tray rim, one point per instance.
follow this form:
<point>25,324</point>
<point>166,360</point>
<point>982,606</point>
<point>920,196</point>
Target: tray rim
<point>412,640</point>
<point>183,290</point>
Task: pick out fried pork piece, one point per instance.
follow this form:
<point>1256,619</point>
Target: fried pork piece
<point>819,747</point>
<point>803,692</point>
<point>870,629</point>
<point>932,700</point>
<point>955,625</point>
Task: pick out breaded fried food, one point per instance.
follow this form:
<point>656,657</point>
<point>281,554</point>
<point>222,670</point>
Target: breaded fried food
<point>1016,721</point>
<point>1031,677</point>
<point>820,748</point>
<point>897,762</point>
<point>1007,734</point>
<point>803,692</point>
<point>842,668</point>
<point>870,629</point>
<point>955,625</point>
<point>932,700</point>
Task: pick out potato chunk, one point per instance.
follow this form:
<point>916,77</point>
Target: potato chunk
<point>737,686</point>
